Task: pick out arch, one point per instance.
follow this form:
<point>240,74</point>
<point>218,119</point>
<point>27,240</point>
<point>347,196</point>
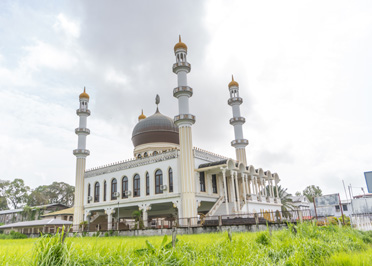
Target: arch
<point>251,170</point>
<point>170,179</point>
<point>96,192</point>
<point>230,164</point>
<point>136,185</point>
<point>114,188</point>
<point>124,187</point>
<point>145,154</point>
<point>147,183</point>
<point>104,190</point>
<point>155,153</point>
<point>242,167</point>
<point>158,181</point>
<point>88,193</point>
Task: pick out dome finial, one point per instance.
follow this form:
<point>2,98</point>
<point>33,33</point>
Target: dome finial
<point>157,101</point>
<point>179,37</point>
<point>180,44</point>
<point>233,82</point>
<point>142,116</point>
<point>84,94</point>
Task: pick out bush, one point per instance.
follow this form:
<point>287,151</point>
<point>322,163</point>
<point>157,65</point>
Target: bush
<point>13,235</point>
<point>263,238</point>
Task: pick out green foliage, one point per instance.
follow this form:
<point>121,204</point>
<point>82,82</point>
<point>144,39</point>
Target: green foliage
<point>15,192</point>
<point>13,235</point>
<point>310,245</point>
<point>57,192</point>
<point>312,191</point>
<point>263,238</point>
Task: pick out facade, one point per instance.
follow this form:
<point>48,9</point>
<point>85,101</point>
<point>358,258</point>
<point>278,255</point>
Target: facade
<point>168,178</point>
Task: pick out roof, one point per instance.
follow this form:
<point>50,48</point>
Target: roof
<point>41,206</point>
<point>204,165</point>
<point>155,128</point>
<point>61,212</point>
<point>36,223</point>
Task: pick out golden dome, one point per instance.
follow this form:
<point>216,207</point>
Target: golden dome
<point>84,95</point>
<point>180,45</point>
<point>142,116</point>
<point>233,83</point>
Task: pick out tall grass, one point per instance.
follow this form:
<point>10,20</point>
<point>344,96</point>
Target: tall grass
<point>305,244</point>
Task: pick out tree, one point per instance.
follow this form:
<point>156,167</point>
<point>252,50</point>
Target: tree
<point>16,193</point>
<point>284,197</point>
<point>298,193</point>
<point>312,191</point>
<point>3,201</point>
<point>57,192</point>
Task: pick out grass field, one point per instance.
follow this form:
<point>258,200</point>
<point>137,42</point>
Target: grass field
<point>307,245</point>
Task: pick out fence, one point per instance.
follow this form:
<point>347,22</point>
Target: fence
<point>277,217</point>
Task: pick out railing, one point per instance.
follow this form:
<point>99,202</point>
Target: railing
<point>216,206</point>
<point>235,100</point>
<point>237,120</point>
<point>262,218</point>
<point>182,90</point>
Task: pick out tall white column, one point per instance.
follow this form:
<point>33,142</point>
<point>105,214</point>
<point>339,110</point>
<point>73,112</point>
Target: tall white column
<point>233,190</point>
<point>237,190</point>
<point>225,190</point>
<point>109,212</point>
<point>184,120</point>
<point>81,153</point>
<point>239,143</point>
<point>245,191</point>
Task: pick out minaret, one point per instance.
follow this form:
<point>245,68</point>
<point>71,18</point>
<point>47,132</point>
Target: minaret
<point>81,153</point>
<point>184,121</point>
<point>239,143</point>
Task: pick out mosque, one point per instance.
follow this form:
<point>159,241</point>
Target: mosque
<point>169,178</point>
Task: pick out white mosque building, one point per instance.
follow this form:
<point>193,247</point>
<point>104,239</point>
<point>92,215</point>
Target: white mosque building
<point>168,178</point>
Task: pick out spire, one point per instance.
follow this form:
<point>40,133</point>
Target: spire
<point>180,44</point>
<point>179,38</point>
<point>84,94</point>
<point>233,82</point>
<point>157,101</point>
<point>142,116</point>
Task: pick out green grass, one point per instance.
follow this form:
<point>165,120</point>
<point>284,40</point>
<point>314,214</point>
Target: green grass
<point>307,245</point>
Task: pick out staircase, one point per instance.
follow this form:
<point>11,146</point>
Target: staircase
<point>222,209</point>
<point>216,206</point>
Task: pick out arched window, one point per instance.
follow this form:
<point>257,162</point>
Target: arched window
<point>136,186</point>
<point>124,187</point>
<point>96,192</point>
<point>104,190</point>
<point>88,193</point>
<point>158,181</point>
<point>114,189</point>
<point>147,183</point>
<point>145,154</point>
<point>170,176</point>
<point>155,153</point>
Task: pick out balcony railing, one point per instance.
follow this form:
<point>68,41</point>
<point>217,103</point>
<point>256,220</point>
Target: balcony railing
<point>235,100</point>
<point>237,120</point>
<point>182,90</point>
<point>184,117</point>
<point>82,130</point>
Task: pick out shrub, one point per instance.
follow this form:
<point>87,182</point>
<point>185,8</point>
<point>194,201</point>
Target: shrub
<point>263,238</point>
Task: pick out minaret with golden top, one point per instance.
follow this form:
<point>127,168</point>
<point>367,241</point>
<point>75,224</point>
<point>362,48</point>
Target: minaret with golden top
<point>239,143</point>
<point>81,153</point>
<point>184,120</point>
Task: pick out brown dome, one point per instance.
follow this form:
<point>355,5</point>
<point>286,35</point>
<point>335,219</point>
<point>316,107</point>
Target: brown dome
<point>155,128</point>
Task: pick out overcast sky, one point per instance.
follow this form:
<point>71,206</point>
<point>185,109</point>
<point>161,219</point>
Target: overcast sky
<point>304,71</point>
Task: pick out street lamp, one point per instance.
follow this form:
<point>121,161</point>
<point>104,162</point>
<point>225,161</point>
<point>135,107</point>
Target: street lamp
<point>117,195</point>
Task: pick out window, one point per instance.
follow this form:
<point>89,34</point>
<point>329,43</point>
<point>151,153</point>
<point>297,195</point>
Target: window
<point>158,181</point>
<point>145,154</point>
<point>114,189</point>
<point>202,182</point>
<point>155,153</point>
<point>337,208</point>
<point>124,187</point>
<point>88,193</point>
<point>136,186</point>
<point>147,184</point>
<point>214,183</point>
<point>170,175</point>
<point>104,190</point>
<point>344,207</point>
<point>96,192</point>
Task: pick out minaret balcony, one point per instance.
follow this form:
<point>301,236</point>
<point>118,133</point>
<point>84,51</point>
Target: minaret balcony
<point>237,121</point>
<point>182,90</point>
<point>177,67</point>
<point>187,118</point>
<point>239,143</point>
<point>83,152</point>
<point>235,101</point>
<point>83,112</point>
<point>85,131</point>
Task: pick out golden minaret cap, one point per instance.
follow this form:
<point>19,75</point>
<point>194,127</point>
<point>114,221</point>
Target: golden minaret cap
<point>233,82</point>
<point>180,45</point>
<point>142,116</point>
<point>84,95</point>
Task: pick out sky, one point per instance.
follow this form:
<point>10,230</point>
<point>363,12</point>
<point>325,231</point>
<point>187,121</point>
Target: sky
<point>303,68</point>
